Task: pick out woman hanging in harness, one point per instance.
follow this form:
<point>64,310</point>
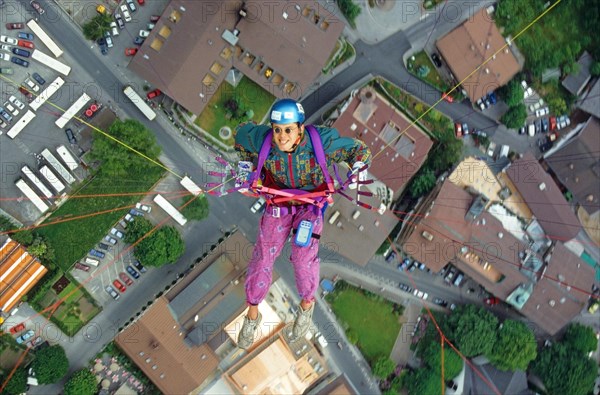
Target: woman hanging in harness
<point>296,185</point>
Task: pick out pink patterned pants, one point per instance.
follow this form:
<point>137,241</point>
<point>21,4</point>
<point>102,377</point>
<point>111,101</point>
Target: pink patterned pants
<point>272,235</point>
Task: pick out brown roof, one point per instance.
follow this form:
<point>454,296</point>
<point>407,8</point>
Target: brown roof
<point>577,166</point>
<point>399,148</point>
<point>19,272</point>
<point>166,346</point>
<point>541,194</point>
<point>490,255</point>
<point>468,46</point>
<point>294,44</point>
<point>339,386</point>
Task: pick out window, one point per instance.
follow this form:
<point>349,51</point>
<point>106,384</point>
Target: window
<point>216,68</point>
<point>226,53</point>
<point>156,44</point>
<point>277,79</point>
<point>268,72</point>
<point>248,59</point>
<point>208,80</point>
<point>259,66</point>
<point>164,32</point>
<point>289,87</point>
<point>175,16</point>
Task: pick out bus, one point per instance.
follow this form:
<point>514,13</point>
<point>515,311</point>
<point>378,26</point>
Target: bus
<point>139,102</point>
<point>191,186</point>
<point>47,93</point>
<point>170,209</point>
<point>33,198</point>
<point>44,38</point>
<point>36,181</point>
<point>20,125</point>
<point>64,173</point>
<point>50,62</point>
<point>67,158</point>
<point>52,179</point>
<point>71,111</point>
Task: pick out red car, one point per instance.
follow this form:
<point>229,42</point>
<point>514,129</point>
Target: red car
<point>154,18</point>
<point>141,2</point>
<point>26,93</point>
<point>552,123</point>
<point>119,285</point>
<point>153,94</point>
<point>458,130</point>
<point>15,25</point>
<point>125,278</point>
<point>130,51</point>
<point>447,97</point>
<point>82,266</point>
<point>25,44</point>
<point>491,301</point>
<point>17,328</point>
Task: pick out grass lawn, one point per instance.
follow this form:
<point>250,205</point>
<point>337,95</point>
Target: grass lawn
<point>433,78</point>
<point>72,239</point>
<point>371,318</point>
<point>249,96</point>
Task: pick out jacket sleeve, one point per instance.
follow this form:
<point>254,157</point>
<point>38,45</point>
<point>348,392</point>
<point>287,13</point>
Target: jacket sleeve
<point>249,138</point>
<point>343,149</point>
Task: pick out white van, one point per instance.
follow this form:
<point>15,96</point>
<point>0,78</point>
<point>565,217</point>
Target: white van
<point>92,261</point>
<point>334,217</point>
<point>504,151</point>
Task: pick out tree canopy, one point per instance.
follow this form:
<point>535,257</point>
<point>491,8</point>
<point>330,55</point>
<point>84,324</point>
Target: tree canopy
<point>17,383</point>
<point>432,356</point>
<point>120,161</point>
<point>515,346</point>
<point>50,364</point>
<point>512,93</point>
<point>137,228</point>
<point>81,382</point>
<point>163,246</point>
<point>515,117</point>
<point>474,330</point>
<point>424,381</point>
<point>383,367</point>
<point>423,183</point>
<point>580,338</point>
<point>97,26</point>
<point>197,209</point>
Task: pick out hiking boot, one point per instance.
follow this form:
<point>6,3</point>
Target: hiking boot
<point>303,321</point>
<point>246,335</point>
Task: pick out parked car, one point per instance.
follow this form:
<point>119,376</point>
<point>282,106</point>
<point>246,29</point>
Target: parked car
<point>70,136</point>
<point>126,14</point>
<point>144,207</point>
<point>110,240</point>
<point>141,2</point>
<point>114,29</point>
<point>111,291</point>
<point>436,60</point>
<point>97,254</point>
<point>134,273</point>
<point>440,302</point>
<point>26,93</point>
<point>25,36</point>
<point>450,274</point>
<point>153,94</point>
<point>131,5</point>
<point>545,145</point>
<point>420,294</point>
<point>491,301</point>
<point>116,232</point>
<point>405,287</point>
<point>109,42</point>
<point>100,9</point>
<point>21,52</point>
<point>5,56</point>
<point>119,285</point>
<point>458,130</point>
<point>447,97</point>
<point>541,112</point>
<point>17,328</point>
<point>104,246</point>
<point>36,6</point>
<point>102,44</point>
<point>154,18</point>
<point>465,128</point>
<point>545,125</point>
<point>16,102</point>
<point>25,44</point>
<point>522,130</point>
<point>6,115</point>
<point>527,93</point>
<point>126,279</point>
<point>144,33</point>
<point>35,342</point>
<point>38,78</point>
<point>150,26</point>
<point>459,279</point>
<point>136,213</point>
<point>15,25</point>
<point>258,205</point>
<point>492,97</point>
<point>120,22</point>
<point>3,124</point>
<point>82,266</point>
<point>391,257</point>
<point>481,104</point>
<point>129,217</point>
<point>6,70</point>
<point>8,40</point>
<point>130,51</point>
<point>9,107</point>
<point>34,87</point>
<point>139,266</point>
<point>479,133</point>
<point>138,40</point>
<point>25,336</point>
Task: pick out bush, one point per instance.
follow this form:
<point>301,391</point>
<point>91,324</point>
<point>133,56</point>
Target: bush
<point>350,10</point>
<point>515,117</point>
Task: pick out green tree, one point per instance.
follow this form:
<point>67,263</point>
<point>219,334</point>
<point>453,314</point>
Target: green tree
<point>118,159</point>
<point>474,330</point>
<point>163,246</point>
<point>97,27</point>
<point>515,117</point>
<point>512,93</point>
<point>557,104</point>
<point>137,229</point>
<point>515,347</point>
<point>595,69</point>
<point>197,209</point>
<point>422,183</point>
<point>580,338</point>
<point>350,10</point>
<point>50,364</point>
<point>424,381</point>
<point>432,355</point>
<point>565,371</point>
<point>81,382</point>
<point>383,367</point>
<point>17,383</point>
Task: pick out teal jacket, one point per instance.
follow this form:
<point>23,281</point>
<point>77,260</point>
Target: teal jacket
<point>299,169</point>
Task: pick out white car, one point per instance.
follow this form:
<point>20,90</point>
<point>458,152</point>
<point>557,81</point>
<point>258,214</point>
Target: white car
<point>144,33</point>
<point>528,92</point>
<point>114,29</point>
<point>11,109</point>
<point>34,87</point>
<point>16,102</point>
<point>111,240</point>
<point>8,40</point>
<point>541,112</point>
<point>258,205</point>
<point>524,84</point>
<point>129,218</point>
<point>116,232</point>
<point>109,42</point>
<point>144,207</point>
<point>5,56</point>
<point>420,294</point>
<point>125,12</point>
<point>6,47</point>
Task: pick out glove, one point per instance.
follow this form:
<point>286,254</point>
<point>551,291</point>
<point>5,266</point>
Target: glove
<point>243,175</point>
<point>357,175</point>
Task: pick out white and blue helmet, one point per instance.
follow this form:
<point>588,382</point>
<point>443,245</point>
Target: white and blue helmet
<point>287,111</point>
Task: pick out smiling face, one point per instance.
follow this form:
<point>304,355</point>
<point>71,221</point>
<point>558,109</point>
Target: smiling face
<point>285,141</point>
